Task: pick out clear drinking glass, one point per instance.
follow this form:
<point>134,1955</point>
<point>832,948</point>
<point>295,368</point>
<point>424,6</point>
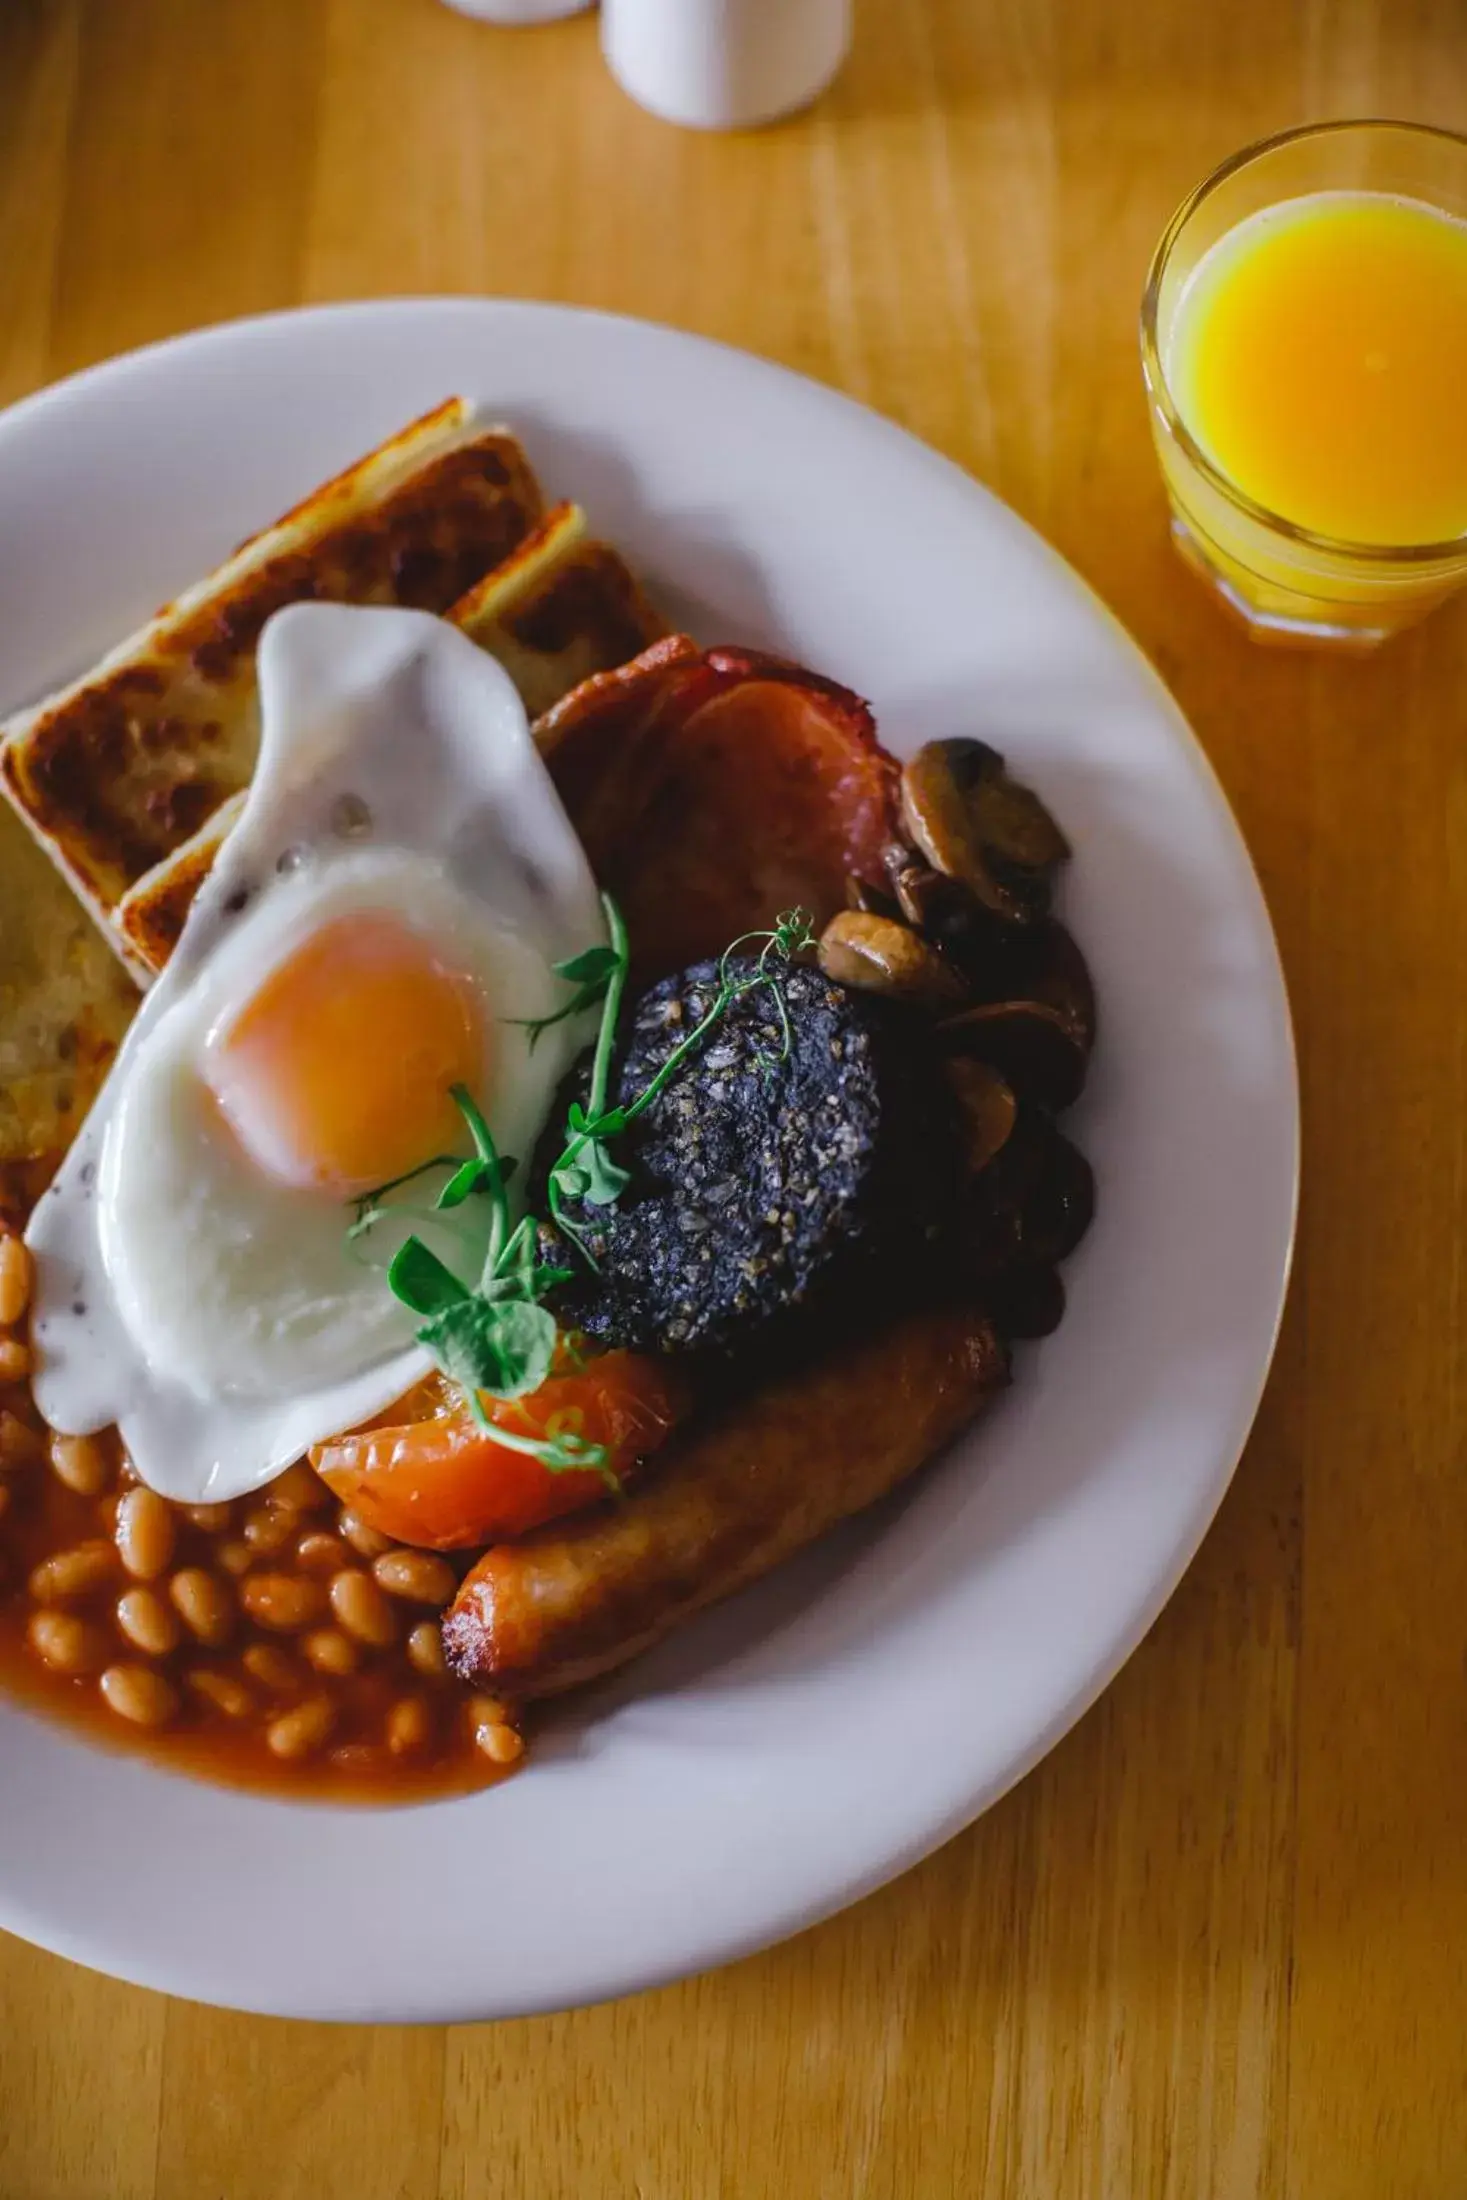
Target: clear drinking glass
<point>1286,582</point>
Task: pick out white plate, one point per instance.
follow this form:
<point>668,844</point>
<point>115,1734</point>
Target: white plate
<point>794,1750</point>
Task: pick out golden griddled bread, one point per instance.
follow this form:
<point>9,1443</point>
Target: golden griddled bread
<point>150,915</point>
<point>559,608</point>
<point>118,771</point>
<point>65,1001</point>
<point>132,777</point>
<point>563,607</point>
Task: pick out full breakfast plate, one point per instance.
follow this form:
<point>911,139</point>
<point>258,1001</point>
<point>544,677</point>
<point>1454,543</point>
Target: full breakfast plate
<point>655,1125</point>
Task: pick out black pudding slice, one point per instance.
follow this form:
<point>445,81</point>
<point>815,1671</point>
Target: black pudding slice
<point>793,1169</point>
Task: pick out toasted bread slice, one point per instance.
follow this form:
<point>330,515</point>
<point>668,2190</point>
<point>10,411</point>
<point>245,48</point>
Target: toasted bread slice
<point>150,916</point>
<point>122,769</point>
<point>65,1002</point>
<point>561,607</point>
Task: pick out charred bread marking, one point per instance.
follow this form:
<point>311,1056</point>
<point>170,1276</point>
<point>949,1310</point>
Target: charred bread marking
<point>563,608</point>
<point>559,607</point>
<point>793,1166</point>
<point>392,459</point>
<point>120,770</point>
<point>728,1502</point>
<point>150,917</point>
<point>609,613</point>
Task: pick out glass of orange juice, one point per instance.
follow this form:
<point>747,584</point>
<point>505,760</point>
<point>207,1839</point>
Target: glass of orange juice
<point>1304,341</point>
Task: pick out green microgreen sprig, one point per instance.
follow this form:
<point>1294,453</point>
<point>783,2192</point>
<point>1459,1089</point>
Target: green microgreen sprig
<point>590,972</point>
<point>496,1338</point>
<point>493,1337</point>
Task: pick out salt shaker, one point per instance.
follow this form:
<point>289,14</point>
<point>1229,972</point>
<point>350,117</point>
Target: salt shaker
<point>724,64</point>
<point>519,11</point>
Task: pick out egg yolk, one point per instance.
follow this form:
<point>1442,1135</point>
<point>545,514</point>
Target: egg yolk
<point>335,1075</point>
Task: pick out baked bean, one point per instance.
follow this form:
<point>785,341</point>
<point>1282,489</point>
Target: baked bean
<point>267,1531</point>
<point>416,1576</point>
<point>20,1444</point>
<point>81,1464</point>
<point>330,1651</point>
<point>365,1541</point>
<point>222,1691</point>
<point>300,1489</point>
<point>145,1533</point>
<point>299,1733</point>
<point>362,1608</point>
<point>147,1622</point>
<point>204,1603</point>
<point>15,1279</point>
<point>110,1611</point>
<point>68,1644</point>
<point>501,1743</point>
<point>73,1573</point>
<point>425,1651</point>
<point>320,1553</point>
<point>212,1519</point>
<point>271,1667</point>
<point>285,1603</point>
<point>138,1694</point>
<point>408,1726</point>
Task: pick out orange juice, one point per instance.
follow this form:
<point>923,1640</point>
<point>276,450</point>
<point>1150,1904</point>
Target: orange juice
<point>1318,354</point>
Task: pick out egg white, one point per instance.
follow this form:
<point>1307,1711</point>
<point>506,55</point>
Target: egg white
<point>223,1320</point>
<point>273,1300</point>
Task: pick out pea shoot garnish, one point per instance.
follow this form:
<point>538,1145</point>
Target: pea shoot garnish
<point>496,1337</point>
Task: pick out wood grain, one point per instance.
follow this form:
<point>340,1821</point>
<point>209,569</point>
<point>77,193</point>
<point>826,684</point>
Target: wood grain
<point>1217,1944</point>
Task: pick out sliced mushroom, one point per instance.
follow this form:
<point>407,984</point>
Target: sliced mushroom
<point>878,955</point>
<point>942,909</point>
<point>935,813</point>
<point>1029,1302</point>
<point>1001,962</point>
<point>1039,962</point>
<point>989,1237</point>
<point>986,1244</point>
<point>1020,1218</point>
<point>974,823</point>
<point>1023,826</point>
<point>1033,1045</point>
<point>1048,966</point>
<point>987,1111</point>
<point>1045,1185</point>
<point>1059,1204</point>
<point>869,899</point>
<point>1013,822</point>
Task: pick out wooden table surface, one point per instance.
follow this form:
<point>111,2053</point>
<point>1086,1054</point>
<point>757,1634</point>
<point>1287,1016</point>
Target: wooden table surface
<point>1217,1943</point>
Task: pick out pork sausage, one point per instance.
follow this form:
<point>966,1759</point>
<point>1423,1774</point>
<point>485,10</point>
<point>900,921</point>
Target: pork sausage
<point>748,1488</point>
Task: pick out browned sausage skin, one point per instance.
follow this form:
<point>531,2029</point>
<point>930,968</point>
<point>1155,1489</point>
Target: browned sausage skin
<point>725,1505</point>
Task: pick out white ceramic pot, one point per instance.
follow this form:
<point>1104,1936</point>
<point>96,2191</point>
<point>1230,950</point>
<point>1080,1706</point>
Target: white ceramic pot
<point>724,64</point>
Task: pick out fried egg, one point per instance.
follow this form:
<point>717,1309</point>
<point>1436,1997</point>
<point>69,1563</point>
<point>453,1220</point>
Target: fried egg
<point>380,927</point>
